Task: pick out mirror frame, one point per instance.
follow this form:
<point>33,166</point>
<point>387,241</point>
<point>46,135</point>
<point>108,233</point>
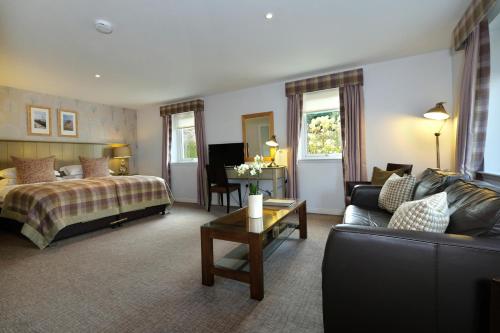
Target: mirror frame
<point>245,117</point>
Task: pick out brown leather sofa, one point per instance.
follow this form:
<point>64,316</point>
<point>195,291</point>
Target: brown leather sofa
<point>382,280</point>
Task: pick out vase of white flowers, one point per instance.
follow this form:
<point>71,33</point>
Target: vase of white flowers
<point>253,170</point>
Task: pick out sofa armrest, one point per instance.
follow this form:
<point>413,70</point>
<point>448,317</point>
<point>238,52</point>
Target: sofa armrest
<point>366,196</point>
<point>349,186</point>
<point>417,277</point>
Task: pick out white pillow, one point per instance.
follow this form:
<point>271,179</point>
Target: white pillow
<point>7,182</point>
<point>74,170</point>
<point>73,177</point>
<point>71,170</point>
<point>428,214</point>
<point>9,173</point>
<point>395,191</point>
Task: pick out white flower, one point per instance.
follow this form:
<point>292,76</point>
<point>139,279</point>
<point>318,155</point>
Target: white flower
<point>253,172</point>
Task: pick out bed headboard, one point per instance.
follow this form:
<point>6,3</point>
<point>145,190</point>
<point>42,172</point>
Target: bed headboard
<point>66,153</point>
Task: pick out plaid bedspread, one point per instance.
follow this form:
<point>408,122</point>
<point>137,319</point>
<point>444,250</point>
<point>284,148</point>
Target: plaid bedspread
<point>47,208</point>
<point>138,192</point>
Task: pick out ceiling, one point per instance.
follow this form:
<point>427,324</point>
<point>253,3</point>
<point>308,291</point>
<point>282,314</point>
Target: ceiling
<point>163,50</point>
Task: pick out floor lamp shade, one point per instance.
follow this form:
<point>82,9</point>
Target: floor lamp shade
<point>438,112</point>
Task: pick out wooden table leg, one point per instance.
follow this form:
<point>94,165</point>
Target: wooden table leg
<point>303,221</point>
<point>256,267</point>
<point>207,258</point>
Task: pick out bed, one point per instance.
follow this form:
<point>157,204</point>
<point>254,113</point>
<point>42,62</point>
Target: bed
<point>50,211</point>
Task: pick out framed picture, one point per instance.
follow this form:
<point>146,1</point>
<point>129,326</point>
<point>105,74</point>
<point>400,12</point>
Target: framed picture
<point>67,123</point>
<point>39,120</point>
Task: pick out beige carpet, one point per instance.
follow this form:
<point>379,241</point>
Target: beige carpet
<point>145,277</point>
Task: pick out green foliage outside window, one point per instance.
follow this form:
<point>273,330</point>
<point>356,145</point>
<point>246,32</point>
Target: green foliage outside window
<point>323,133</point>
<point>189,143</point>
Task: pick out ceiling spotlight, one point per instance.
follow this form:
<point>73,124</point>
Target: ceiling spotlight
<point>269,16</point>
<point>98,76</point>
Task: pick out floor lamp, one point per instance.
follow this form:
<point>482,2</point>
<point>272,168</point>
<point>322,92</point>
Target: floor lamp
<point>438,113</point>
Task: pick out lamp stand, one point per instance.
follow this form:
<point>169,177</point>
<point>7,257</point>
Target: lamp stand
<point>123,168</point>
<point>438,160</point>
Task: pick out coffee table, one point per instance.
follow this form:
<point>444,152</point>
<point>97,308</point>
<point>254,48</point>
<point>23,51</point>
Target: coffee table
<point>259,239</point>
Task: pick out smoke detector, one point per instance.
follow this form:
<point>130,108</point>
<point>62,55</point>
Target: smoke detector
<point>103,26</point>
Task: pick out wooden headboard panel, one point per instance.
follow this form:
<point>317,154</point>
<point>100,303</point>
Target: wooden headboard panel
<point>66,153</point>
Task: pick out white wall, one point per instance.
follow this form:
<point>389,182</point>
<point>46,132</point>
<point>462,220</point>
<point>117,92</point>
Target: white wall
<point>492,158</point>
<point>397,93</point>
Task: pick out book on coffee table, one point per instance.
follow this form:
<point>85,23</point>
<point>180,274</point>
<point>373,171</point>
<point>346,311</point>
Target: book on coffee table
<point>279,202</point>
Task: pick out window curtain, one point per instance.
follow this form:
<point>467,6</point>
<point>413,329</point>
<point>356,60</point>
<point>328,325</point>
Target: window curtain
<point>166,112</point>
<point>474,98</point>
<point>166,148</point>
<point>352,118</point>
<point>201,150</point>
<point>350,84</point>
<point>294,122</point>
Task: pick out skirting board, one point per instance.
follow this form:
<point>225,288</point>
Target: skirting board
<point>322,211</point>
<point>326,211</point>
<point>185,200</point>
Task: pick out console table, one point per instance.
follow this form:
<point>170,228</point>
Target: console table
<point>276,174</point>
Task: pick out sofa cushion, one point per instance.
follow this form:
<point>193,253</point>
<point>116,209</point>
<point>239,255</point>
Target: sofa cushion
<point>359,216</point>
<point>395,191</point>
<point>429,214</point>
<point>434,181</point>
<point>379,176</point>
<point>474,208</point>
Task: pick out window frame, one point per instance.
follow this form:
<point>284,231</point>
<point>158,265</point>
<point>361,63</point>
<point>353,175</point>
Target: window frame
<point>304,155</point>
<point>179,142</point>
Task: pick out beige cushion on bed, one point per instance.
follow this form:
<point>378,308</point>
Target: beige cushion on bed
<point>30,171</point>
<point>94,167</point>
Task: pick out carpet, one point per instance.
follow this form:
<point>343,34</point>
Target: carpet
<point>145,277</point>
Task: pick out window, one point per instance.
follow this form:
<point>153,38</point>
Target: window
<point>491,156</point>
<point>184,138</point>
<point>321,131</point>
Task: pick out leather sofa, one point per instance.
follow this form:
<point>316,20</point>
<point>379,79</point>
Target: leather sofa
<point>377,279</point>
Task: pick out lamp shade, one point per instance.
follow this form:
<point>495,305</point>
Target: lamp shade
<point>122,152</point>
<point>272,142</point>
<point>437,113</point>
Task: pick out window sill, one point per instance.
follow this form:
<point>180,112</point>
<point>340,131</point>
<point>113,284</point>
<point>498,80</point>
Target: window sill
<point>184,163</point>
<point>320,159</point>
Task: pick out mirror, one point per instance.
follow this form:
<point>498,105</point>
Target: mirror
<point>257,129</point>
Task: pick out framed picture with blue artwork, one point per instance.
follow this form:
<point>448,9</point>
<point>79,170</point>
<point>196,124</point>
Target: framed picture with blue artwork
<point>39,122</point>
<point>67,123</point>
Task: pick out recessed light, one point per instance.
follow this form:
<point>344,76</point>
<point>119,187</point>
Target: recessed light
<point>269,16</point>
<point>98,76</point>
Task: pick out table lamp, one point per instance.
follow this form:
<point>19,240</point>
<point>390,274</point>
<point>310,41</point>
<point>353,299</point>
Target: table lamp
<point>122,152</point>
<point>273,144</point>
<point>437,113</point>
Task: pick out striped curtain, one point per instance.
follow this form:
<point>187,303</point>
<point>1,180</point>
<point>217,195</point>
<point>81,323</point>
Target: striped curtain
<point>352,118</point>
<point>294,122</point>
<point>350,84</point>
<point>166,112</point>
<point>166,150</point>
<point>201,149</point>
<point>474,98</point>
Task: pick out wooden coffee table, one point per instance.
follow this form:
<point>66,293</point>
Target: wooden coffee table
<point>259,238</point>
